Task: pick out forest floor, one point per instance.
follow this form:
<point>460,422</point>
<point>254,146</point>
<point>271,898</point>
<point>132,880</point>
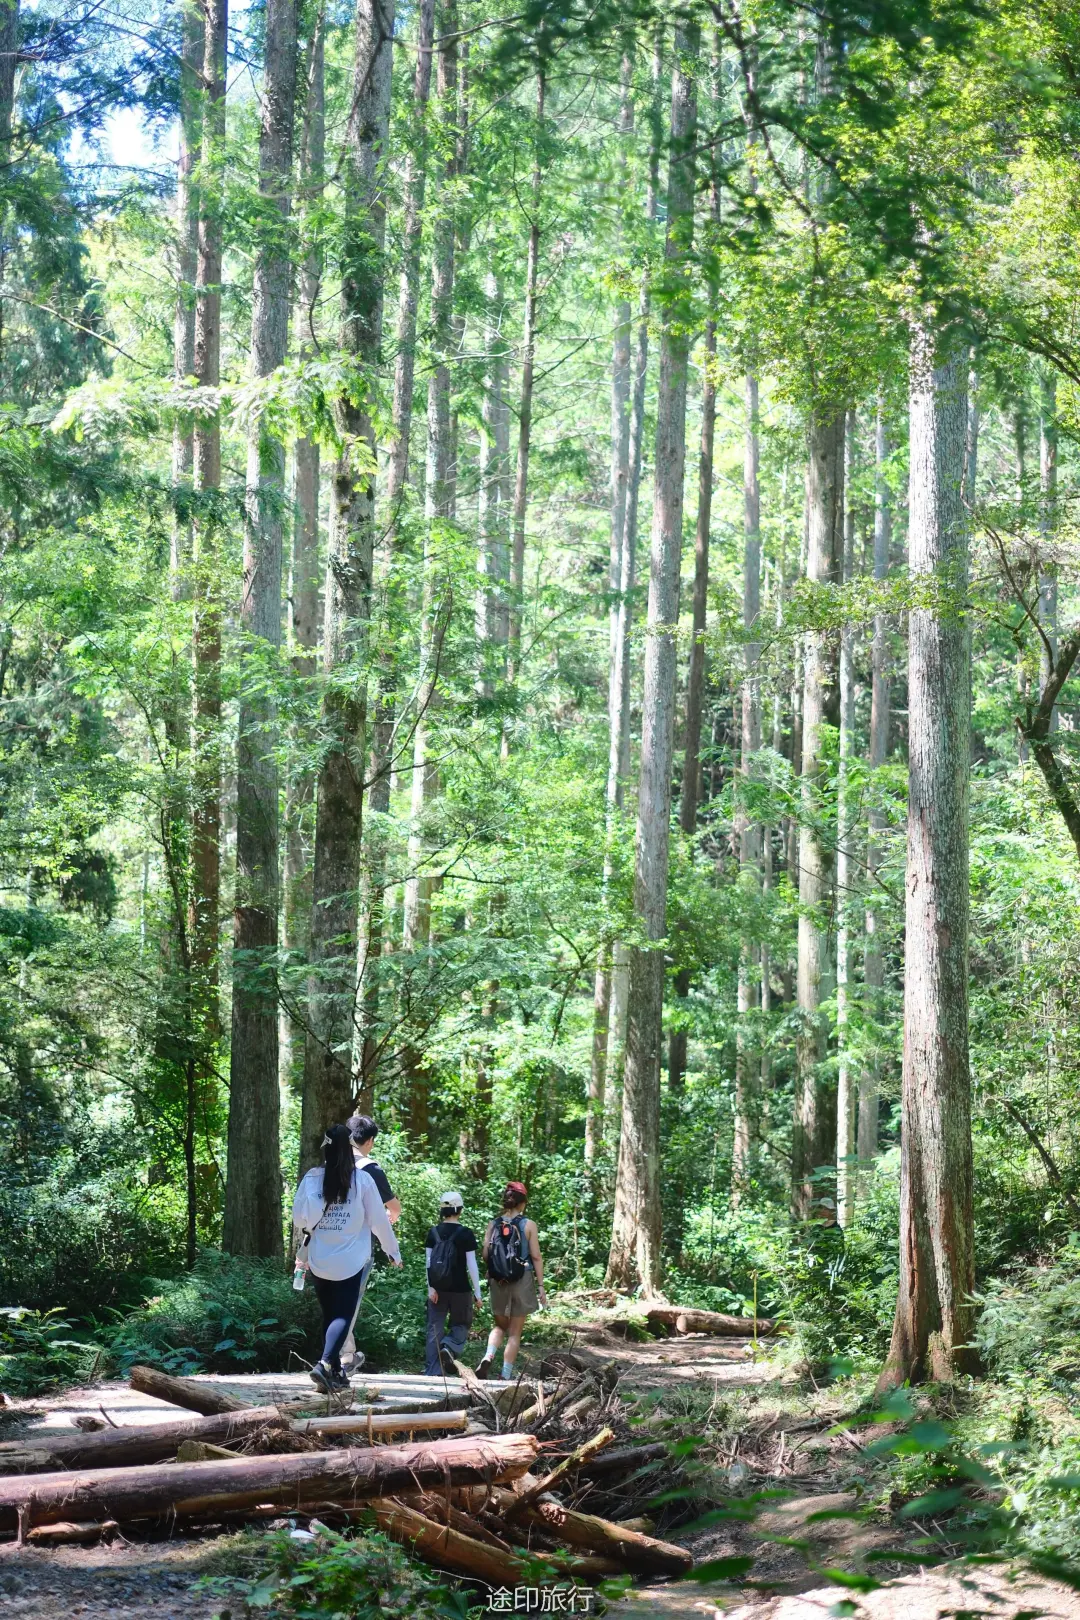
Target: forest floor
<point>773,1435</point>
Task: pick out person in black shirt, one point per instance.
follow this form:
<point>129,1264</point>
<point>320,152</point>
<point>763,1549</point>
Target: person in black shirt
<point>453,1284</point>
<point>364,1130</point>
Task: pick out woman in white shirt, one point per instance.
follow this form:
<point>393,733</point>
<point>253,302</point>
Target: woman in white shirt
<point>335,1210</point>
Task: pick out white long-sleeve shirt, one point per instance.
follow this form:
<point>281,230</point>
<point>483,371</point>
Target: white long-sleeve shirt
<point>341,1233</point>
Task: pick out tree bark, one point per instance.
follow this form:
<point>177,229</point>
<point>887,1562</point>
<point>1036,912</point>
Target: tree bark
<point>813,1141</point>
<point>206,475</point>
<point>9,61</point>
<point>253,1181</point>
<point>492,623</point>
<point>747,1060</point>
<point>185,1490</point>
<point>304,572</point>
<point>332,1019</point>
<point>1048,515</point>
<point>690,792</point>
<point>847,1096</point>
<point>525,406</point>
<point>635,1241</point>
<point>409,286</point>
<point>187,258</point>
<point>932,1330</point>
<point>439,506</point>
<point>134,1447</point>
<point>186,1392</point>
<point>873,960</point>
<point>611,983</point>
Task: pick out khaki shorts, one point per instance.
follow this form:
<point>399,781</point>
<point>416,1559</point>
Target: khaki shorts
<point>514,1298</point>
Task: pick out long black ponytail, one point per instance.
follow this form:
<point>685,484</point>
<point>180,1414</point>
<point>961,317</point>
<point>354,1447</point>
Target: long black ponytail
<point>339,1165</point>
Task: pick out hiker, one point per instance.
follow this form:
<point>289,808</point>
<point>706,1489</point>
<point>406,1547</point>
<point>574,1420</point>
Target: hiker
<point>364,1131</point>
<point>453,1285</point>
<point>515,1269</point>
<point>337,1208</point>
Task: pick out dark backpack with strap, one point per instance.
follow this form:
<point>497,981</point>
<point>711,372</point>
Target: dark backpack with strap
<point>507,1249</point>
<point>443,1255</point>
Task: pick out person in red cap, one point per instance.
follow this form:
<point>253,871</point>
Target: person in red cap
<point>515,1269</point>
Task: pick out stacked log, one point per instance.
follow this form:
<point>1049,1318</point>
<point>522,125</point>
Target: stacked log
<point>470,1503</point>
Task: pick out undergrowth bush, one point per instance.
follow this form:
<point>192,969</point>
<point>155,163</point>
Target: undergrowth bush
<point>1029,1322</point>
<point>85,1245</point>
<point>230,1314</point>
<point>40,1350</point>
<point>356,1577</point>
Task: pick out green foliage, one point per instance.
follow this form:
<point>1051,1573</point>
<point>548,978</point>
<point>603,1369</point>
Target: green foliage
<point>1029,1321</point>
<point>355,1577</point>
<point>40,1351</point>
<point>231,1314</point>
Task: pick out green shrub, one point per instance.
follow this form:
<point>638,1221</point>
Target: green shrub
<point>1029,1323</point>
<point>38,1351</point>
<point>230,1314</point>
<point>355,1577</point>
<point>85,1245</point>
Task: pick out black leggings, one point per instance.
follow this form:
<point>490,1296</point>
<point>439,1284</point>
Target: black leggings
<point>337,1299</point>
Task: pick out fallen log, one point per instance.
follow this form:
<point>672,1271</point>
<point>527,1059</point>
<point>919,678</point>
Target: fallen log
<point>65,1533</point>
<point>642,1553</point>
<point>469,1549</point>
<point>186,1392</point>
<point>538,1487</point>
<point>444,1545</point>
<point>622,1460</point>
<point>200,1489</point>
<point>685,1319</point>
<point>373,1423</point>
<point>202,1451</point>
<point>130,1448</point>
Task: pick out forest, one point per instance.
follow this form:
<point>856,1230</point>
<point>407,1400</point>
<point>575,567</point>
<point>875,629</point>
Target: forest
<point>540,600</point>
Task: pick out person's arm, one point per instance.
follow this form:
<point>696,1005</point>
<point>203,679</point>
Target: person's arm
<point>474,1275</point>
<point>392,1207</point>
<point>432,1293</point>
<point>391,1202</point>
<point>533,1238</point>
<point>487,1239</point>
<point>306,1208</point>
<point>377,1219</point>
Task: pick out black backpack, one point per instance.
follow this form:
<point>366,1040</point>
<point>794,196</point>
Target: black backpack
<point>441,1270</point>
<point>506,1251</point>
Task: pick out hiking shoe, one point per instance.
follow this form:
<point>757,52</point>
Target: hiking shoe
<point>339,1381</point>
<point>353,1363</point>
<point>483,1366</point>
<point>446,1362</point>
<point>322,1377</point>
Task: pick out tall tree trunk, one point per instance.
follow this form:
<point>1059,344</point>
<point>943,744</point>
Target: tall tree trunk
<point>614,1043</point>
<point>187,259</point>
<point>253,1181</point>
<point>636,1233</point>
<point>747,1061</point>
<point>620,475</point>
<point>812,1139</point>
<point>492,627</point>
<point>304,573</point>
<point>1048,586</point>
<point>528,362</point>
<point>932,1330</point>
<point>873,959</point>
<point>206,473</point>
<point>439,504</point>
<point>174,817</point>
<point>847,1095</point>
<point>9,60</point>
<point>690,792</point>
<point>332,1011</point>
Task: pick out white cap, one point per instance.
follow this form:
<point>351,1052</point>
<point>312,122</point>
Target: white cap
<point>451,1200</point>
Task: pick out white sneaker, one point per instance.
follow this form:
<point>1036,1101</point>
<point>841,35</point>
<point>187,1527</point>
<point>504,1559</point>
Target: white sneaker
<point>354,1363</point>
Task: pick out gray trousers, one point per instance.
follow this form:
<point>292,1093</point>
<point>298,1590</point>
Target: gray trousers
<point>459,1308</point>
<point>348,1349</point>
